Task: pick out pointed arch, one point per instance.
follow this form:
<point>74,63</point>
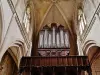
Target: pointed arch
<point>62,14</point>
<point>16,50</point>
<point>87,45</point>
<point>91,50</point>
<point>8,65</point>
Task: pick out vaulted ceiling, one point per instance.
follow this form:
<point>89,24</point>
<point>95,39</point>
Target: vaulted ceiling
<point>58,11</point>
<point>62,12</point>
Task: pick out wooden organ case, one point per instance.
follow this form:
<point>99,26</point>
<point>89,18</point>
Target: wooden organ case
<point>53,55</point>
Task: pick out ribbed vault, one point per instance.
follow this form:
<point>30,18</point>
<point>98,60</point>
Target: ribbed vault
<point>54,11</point>
<point>64,12</point>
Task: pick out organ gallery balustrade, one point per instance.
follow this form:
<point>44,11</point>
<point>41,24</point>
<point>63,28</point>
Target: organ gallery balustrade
<point>53,55</point>
<point>65,62</point>
<point>79,61</point>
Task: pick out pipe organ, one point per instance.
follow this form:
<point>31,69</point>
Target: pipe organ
<point>53,38</point>
<point>53,41</point>
<point>54,58</point>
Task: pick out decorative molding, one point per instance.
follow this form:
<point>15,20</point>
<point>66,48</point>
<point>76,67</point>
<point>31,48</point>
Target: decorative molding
<point>21,26</point>
<point>89,27</point>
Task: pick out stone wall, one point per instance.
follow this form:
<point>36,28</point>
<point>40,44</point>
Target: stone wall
<point>13,31</point>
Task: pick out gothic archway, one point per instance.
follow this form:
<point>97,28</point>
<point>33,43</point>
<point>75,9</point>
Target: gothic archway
<point>94,58</point>
<point>11,59</point>
<point>9,66</point>
<point>96,66</point>
<point>93,52</point>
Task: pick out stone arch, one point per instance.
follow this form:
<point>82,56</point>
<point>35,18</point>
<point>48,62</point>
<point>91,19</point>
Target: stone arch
<point>96,66</point>
<point>93,52</point>
<point>8,64</point>
<point>16,43</point>
<point>87,45</point>
<point>91,49</point>
<point>13,47</point>
<point>13,54</point>
<point>14,51</point>
<point>22,46</point>
<point>94,58</point>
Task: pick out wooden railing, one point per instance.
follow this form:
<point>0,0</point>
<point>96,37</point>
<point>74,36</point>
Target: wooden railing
<point>54,61</point>
<point>42,65</point>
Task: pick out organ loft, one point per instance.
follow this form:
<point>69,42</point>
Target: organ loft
<point>49,37</point>
<point>53,55</point>
<point>54,45</point>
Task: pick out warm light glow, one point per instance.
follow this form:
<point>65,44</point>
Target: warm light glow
<point>26,20</point>
<point>81,20</point>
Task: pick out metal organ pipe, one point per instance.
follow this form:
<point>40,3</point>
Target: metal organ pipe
<point>62,38</point>
<point>41,38</point>
<point>66,39</point>
<point>49,40</point>
<point>46,38</point>
<point>54,38</point>
<point>58,40</point>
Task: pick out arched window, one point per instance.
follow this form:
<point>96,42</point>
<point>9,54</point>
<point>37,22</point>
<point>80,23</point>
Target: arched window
<point>26,20</point>
<point>81,21</point>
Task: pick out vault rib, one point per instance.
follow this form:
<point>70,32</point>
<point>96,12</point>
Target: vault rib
<point>63,15</point>
<point>45,16</point>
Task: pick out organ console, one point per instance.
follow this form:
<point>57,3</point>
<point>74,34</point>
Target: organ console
<point>53,41</point>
